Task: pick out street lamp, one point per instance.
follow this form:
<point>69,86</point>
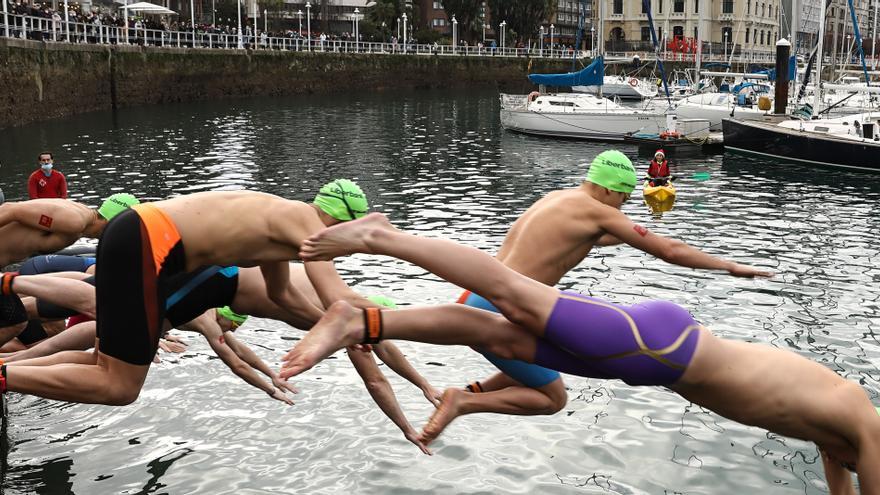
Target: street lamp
<point>398,29</point>
<point>299,15</point>
<point>357,36</point>
<point>484,32</point>
<point>240,41</point>
<point>552,27</point>
<point>503,23</point>
<point>725,44</point>
<point>454,33</point>
<point>309,24</point>
<point>404,31</point>
<point>541,39</point>
<point>266,21</point>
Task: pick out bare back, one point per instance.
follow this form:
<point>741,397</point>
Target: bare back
<point>553,236</point>
<point>41,226</point>
<point>243,227</point>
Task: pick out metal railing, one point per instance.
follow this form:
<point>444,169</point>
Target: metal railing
<point>53,30</point>
<point>49,30</point>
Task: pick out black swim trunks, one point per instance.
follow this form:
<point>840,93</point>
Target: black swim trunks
<point>140,252</point>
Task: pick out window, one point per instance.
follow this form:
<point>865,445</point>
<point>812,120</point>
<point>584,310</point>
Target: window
<point>747,35</point>
<point>678,31</point>
<point>618,6</point>
<point>678,6</point>
<point>727,35</point>
<point>644,10</point>
<point>438,6</point>
<point>762,37</point>
<point>727,7</point>
<point>646,33</point>
<point>763,10</point>
<point>659,32</point>
<point>749,7</point>
<point>660,6</point>
<point>696,6</point>
<point>439,22</point>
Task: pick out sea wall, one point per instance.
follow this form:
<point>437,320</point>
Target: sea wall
<point>40,81</point>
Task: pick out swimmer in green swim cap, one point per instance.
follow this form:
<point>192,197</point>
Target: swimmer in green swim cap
<point>614,171</point>
<point>116,204</point>
<point>342,199</point>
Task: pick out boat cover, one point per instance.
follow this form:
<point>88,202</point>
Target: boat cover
<point>591,75</point>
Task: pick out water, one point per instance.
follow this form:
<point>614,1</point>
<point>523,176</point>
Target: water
<point>439,165</point>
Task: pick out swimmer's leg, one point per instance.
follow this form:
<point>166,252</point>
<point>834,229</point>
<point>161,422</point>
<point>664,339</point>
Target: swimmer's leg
<point>519,298</point>
<point>788,394</point>
<point>501,394</point>
<point>79,337</point>
<point>110,381</point>
<point>448,324</point>
<point>65,292</point>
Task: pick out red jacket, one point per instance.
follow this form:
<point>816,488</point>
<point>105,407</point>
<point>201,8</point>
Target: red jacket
<point>659,169</point>
<point>40,186</point>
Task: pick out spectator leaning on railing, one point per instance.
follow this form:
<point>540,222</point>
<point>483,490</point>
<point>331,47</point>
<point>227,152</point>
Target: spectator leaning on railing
<point>46,182</point>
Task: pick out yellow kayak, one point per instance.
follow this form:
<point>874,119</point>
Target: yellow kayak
<point>659,194</point>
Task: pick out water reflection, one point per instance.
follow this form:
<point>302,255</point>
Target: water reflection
<point>439,165</point>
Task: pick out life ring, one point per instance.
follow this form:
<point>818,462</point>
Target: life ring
<point>669,134</point>
<point>633,82</point>
<point>533,95</point>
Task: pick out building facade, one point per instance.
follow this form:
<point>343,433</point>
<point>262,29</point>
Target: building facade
<point>750,27</point>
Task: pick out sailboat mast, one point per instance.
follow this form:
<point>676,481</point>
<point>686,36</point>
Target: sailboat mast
<point>817,104</point>
<point>699,58</point>
<point>795,10</point>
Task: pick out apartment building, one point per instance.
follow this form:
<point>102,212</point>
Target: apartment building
<point>749,26</point>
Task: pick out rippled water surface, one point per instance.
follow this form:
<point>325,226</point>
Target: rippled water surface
<point>439,165</point>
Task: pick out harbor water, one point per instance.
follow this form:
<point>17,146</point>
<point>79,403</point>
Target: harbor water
<point>439,165</point>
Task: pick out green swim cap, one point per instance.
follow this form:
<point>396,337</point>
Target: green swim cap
<point>613,170</point>
<point>116,204</point>
<point>342,199</point>
<point>232,316</point>
<point>383,301</point>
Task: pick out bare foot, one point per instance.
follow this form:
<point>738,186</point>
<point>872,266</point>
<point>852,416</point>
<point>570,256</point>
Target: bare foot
<point>329,335</point>
<point>448,410</point>
<point>344,238</point>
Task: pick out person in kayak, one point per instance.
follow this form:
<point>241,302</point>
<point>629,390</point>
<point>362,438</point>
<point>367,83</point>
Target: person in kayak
<point>658,171</point>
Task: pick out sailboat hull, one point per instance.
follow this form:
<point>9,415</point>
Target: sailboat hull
<point>590,126</point>
<point>768,139</point>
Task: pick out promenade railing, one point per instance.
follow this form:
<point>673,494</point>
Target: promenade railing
<point>54,30</point>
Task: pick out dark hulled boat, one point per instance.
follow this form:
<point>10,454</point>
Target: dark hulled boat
<point>852,141</point>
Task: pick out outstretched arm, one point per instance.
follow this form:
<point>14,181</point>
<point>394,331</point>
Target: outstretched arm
<point>247,355</point>
<point>331,288</point>
<point>615,223</point>
<point>206,324</point>
<point>284,294</point>
<point>390,354</point>
<point>382,394</point>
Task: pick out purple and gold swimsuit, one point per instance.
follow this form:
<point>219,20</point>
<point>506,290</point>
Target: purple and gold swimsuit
<point>649,343</point>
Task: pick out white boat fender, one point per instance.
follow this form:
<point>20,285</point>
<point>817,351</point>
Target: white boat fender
<point>533,96</point>
<point>633,82</point>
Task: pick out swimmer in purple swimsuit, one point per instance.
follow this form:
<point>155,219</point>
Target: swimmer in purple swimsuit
<point>652,343</point>
<point>550,238</point>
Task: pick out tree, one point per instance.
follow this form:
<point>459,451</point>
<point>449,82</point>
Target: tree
<point>466,12</point>
<point>522,16</point>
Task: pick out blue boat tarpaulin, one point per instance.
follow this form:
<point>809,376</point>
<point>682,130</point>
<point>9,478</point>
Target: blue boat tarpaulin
<point>771,73</point>
<point>591,75</point>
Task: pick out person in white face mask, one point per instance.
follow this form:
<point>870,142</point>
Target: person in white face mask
<point>46,182</point>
